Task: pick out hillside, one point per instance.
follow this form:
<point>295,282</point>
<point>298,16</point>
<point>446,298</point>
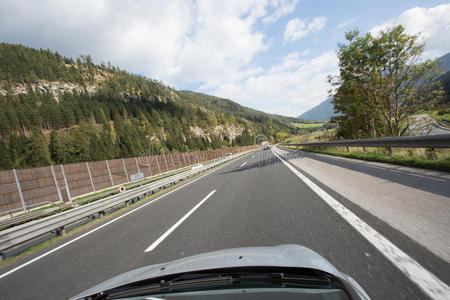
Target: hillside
<point>322,112</point>
<point>55,109</point>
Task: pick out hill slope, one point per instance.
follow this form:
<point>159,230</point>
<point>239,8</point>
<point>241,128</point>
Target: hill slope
<point>55,109</point>
<point>322,112</point>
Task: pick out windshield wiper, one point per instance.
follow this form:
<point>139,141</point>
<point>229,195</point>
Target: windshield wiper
<point>204,281</point>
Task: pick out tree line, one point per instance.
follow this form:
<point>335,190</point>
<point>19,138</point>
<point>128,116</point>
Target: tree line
<point>127,114</point>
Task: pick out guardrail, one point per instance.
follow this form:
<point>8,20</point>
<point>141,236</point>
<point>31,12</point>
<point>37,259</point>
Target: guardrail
<point>15,236</point>
<point>426,141</point>
<point>86,199</point>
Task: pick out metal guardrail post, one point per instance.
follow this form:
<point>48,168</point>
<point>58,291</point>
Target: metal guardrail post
<point>56,185</point>
<point>109,172</point>
<point>20,190</point>
<point>65,182</point>
<point>125,169</point>
<point>90,176</point>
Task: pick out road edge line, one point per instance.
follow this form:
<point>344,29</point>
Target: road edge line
<point>428,282</point>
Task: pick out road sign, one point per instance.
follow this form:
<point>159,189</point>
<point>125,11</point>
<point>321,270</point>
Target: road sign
<point>137,176</point>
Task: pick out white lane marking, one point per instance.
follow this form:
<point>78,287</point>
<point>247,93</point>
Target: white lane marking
<point>101,226</point>
<point>243,164</point>
<point>427,281</point>
<point>174,226</point>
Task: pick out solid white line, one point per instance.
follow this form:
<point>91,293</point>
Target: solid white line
<point>243,164</point>
<point>174,226</point>
<point>101,226</point>
<point>427,281</point>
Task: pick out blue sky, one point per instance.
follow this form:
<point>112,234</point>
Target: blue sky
<point>272,55</point>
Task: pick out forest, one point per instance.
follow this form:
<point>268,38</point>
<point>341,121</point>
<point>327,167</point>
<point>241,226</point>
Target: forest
<point>108,113</point>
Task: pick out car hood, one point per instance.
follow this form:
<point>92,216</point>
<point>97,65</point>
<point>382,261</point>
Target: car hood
<point>291,256</point>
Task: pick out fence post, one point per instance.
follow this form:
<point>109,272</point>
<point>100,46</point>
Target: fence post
<point>56,184</point>
<point>90,176</point>
<point>137,165</point>
<point>389,149</point>
<point>20,190</point>
<point>109,172</point>
<point>167,168</point>
<point>182,155</point>
<point>125,168</point>
<point>65,181</point>
<point>157,162</point>
<point>173,164</point>
<point>148,164</point>
<point>179,164</point>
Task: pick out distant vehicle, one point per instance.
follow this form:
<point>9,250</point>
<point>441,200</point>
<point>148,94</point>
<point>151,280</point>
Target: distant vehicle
<point>265,145</point>
<point>229,155</point>
<point>197,166</point>
<point>280,272</point>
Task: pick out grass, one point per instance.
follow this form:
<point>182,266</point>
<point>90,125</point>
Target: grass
<point>441,161</point>
<point>316,136</point>
<point>312,126</point>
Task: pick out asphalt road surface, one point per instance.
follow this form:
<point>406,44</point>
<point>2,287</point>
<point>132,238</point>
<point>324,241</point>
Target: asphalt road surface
<point>258,201</point>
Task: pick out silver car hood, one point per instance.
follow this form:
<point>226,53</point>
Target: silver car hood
<point>291,256</point>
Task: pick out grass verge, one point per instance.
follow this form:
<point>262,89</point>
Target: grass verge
<point>416,162</point>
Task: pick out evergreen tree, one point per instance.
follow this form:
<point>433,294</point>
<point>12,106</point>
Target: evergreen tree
<point>38,154</point>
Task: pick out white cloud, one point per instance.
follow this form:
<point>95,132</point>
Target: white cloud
<point>432,23</point>
<point>298,28</point>
<point>289,88</point>
<point>282,8</point>
<point>208,43</point>
<point>176,41</point>
<point>346,23</point>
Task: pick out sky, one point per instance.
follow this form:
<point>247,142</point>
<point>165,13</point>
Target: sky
<point>270,55</point>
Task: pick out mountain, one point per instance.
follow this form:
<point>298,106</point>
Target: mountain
<point>56,109</point>
<point>222,105</point>
<point>445,62</point>
<point>322,112</point>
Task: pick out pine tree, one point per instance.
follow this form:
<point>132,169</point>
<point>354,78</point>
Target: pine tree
<point>38,154</point>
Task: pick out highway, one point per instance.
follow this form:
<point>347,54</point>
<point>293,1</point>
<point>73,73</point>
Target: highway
<point>258,200</point>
